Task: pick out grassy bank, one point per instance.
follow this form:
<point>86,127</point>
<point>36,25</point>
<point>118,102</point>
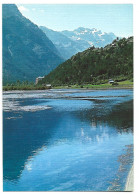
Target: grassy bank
<point>123,84</point>
<point>120,85</point>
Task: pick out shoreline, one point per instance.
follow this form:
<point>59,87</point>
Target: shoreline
<point>130,180</point>
<point>55,88</point>
<point>127,84</point>
<point>95,88</point>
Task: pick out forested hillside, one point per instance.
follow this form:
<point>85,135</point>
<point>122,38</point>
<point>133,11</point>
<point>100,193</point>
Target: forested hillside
<point>96,65</point>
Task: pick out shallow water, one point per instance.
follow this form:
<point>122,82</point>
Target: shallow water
<point>67,140</point>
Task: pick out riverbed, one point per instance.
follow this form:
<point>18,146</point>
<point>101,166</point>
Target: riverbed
<point>67,140</point>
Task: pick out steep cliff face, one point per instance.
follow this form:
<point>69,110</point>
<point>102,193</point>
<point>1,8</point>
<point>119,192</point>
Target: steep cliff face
<point>27,52</point>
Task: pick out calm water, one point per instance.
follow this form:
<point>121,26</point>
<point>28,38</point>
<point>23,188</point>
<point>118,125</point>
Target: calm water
<point>67,140</point>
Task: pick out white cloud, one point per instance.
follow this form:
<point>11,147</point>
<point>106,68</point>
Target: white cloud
<point>33,9</point>
<point>22,8</point>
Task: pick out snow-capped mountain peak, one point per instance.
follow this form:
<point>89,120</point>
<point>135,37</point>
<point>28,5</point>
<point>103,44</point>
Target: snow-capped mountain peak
<point>92,36</point>
<point>69,43</point>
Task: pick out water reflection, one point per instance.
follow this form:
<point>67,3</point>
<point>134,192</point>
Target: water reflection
<point>70,125</point>
<point>22,137</point>
<point>120,116</point>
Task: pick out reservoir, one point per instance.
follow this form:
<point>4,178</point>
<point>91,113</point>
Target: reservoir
<point>67,140</point>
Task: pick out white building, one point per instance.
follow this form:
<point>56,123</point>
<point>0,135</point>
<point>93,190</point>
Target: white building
<point>110,81</point>
<point>38,79</point>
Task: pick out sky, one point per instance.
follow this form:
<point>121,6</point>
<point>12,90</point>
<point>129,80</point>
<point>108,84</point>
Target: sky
<point>116,18</point>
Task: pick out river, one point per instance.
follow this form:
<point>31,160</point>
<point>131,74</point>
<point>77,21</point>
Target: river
<point>67,140</point>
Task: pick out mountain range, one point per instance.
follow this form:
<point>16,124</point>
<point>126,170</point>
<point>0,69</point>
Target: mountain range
<point>65,45</point>
<point>95,65</point>
<point>69,43</point>
<point>93,37</point>
<point>30,51</point>
<point>27,51</point>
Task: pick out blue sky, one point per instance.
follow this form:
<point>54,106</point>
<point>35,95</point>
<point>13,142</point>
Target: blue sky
<point>116,18</point>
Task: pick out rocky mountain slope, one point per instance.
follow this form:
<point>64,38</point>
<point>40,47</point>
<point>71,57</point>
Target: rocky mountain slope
<point>27,52</point>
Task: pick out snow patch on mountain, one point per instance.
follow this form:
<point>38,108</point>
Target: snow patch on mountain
<point>92,36</point>
<point>69,43</point>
